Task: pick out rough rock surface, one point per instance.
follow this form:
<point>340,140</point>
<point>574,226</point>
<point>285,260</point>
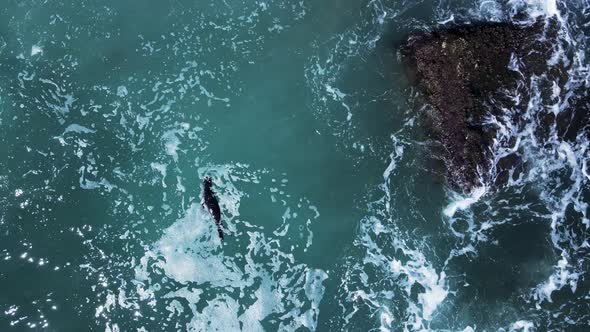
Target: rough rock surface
<point>459,70</point>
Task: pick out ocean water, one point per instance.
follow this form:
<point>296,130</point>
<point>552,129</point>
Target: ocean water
<point>335,207</point>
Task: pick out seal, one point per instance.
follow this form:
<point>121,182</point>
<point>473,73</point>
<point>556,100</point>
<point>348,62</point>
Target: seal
<point>211,204</point>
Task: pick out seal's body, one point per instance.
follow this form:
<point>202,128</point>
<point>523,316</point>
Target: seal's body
<point>211,204</point>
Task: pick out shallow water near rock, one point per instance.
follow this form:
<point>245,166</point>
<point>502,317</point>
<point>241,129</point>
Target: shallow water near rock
<point>334,201</point>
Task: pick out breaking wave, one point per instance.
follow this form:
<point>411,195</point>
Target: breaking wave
<point>420,272</point>
<point>513,257</point>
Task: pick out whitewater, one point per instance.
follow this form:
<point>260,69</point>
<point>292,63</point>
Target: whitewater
<point>336,211</point>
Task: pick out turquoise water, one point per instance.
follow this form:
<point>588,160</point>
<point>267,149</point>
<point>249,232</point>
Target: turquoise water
<point>336,211</point>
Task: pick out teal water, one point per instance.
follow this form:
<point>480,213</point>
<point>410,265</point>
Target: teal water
<point>112,113</point>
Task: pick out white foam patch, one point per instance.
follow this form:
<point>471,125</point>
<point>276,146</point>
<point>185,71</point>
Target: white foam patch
<point>162,169</point>
<point>419,271</point>
<point>410,269</point>
<point>535,8</point>
<point>460,202</point>
<point>60,102</point>
<point>522,326</point>
<point>190,252</point>
<point>339,96</point>
<point>398,266</point>
<point>172,140</point>
<point>36,49</point>
<point>122,91</point>
<point>76,128</point>
<point>562,277</point>
<point>555,167</point>
<point>180,265</point>
<point>190,275</point>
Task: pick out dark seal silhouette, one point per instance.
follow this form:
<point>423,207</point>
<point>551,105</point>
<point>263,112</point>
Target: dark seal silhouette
<point>211,204</point>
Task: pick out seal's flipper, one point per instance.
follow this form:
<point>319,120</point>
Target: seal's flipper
<point>220,232</point>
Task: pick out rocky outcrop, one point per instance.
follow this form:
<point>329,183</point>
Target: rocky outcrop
<point>460,71</point>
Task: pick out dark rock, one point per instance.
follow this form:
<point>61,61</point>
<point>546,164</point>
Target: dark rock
<point>462,72</point>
